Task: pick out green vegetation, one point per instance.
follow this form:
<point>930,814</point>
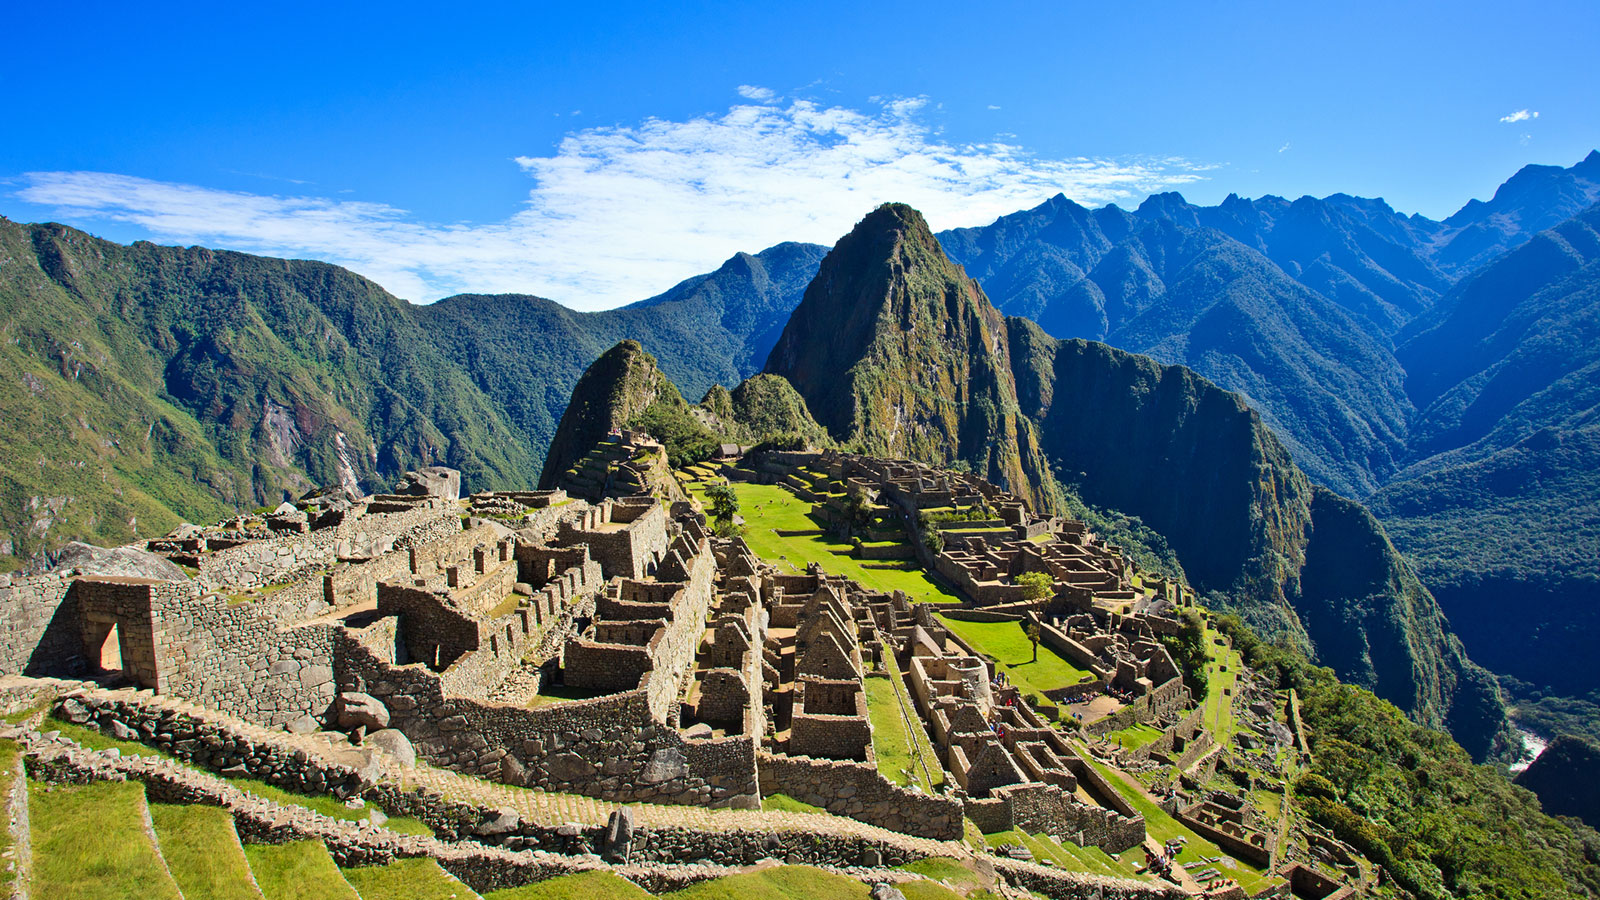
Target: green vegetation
<point>8,761</point>
<point>768,509</point>
<point>786,803</point>
<point>777,883</point>
<point>1411,799</point>
<point>406,879</point>
<point>202,852</point>
<point>597,885</point>
<point>1222,672</point>
<point>1190,651</point>
<point>299,870</point>
<point>94,740</point>
<point>1064,855</point>
<point>1134,736</point>
<point>1008,644</point>
<point>327,805</point>
<point>1164,828</point>
<point>89,843</point>
<point>904,754</point>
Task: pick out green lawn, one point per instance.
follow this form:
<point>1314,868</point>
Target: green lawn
<point>597,885</point>
<point>1008,642</point>
<point>786,803</point>
<point>893,743</point>
<point>8,759</point>
<point>89,843</point>
<point>1066,856</point>
<point>795,883</point>
<point>1134,736</point>
<point>202,852</point>
<point>407,879</point>
<point>328,806</point>
<point>768,508</point>
<point>299,870</point>
<point>1219,718</point>
<point>1163,828</point>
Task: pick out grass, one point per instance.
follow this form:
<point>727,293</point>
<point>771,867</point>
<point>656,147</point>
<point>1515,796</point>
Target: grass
<point>94,740</point>
<point>328,806</point>
<point>777,883</point>
<point>1134,736</point>
<point>8,760</point>
<point>202,852</point>
<point>557,693</point>
<point>1008,643</point>
<point>768,508</point>
<point>1219,717</point>
<point>407,879</point>
<point>943,869</point>
<point>89,843</point>
<point>1163,828</point>
<point>299,870</point>
<point>786,803</point>
<point>597,885</point>
<point>1064,855</point>
<point>507,606</point>
<point>895,745</point>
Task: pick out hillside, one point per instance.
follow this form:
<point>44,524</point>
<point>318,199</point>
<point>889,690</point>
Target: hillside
<point>1498,498</point>
<point>1197,465</point>
<point>1563,779</point>
<point>898,353</point>
<point>1161,443</point>
<point>152,384</point>
<point>158,384</point>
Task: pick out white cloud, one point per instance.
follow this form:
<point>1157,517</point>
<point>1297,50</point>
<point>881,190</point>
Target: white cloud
<point>992,106</point>
<point>1284,148</point>
<point>1520,115</point>
<point>754,92</point>
<point>623,212</point>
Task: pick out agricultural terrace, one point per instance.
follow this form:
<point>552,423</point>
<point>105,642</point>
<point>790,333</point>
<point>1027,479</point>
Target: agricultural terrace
<point>1008,644</point>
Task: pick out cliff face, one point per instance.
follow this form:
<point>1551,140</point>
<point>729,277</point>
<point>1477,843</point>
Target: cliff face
<point>898,353</point>
<point>1196,464</point>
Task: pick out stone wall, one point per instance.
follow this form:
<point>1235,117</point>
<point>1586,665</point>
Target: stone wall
<point>294,557</point>
<point>860,792</point>
<point>612,747</point>
<point>1045,808</point>
<point>39,632</point>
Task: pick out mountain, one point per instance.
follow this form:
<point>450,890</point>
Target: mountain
<point>894,349</point>
<point>1161,283</point>
<point>1196,464</point>
<point>148,384</point>
<point>1536,198</point>
<point>898,353</point>
<point>155,384</point>
<point>711,329</point>
<point>1563,778</point>
<point>1498,500</point>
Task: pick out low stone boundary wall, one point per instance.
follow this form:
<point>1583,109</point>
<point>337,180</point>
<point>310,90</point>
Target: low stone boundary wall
<point>861,793</point>
<point>1075,886</point>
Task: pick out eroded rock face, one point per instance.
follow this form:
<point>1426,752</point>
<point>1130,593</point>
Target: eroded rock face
<point>122,562</point>
<point>432,481</point>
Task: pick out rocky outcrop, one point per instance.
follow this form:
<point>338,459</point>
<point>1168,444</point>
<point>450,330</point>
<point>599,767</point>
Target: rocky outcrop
<point>120,562</point>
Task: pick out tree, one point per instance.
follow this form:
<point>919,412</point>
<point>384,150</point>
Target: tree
<point>724,506</point>
<point>1037,587</point>
<point>1034,633</point>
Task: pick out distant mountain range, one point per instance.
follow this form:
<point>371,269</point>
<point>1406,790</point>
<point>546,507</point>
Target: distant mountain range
<point>1440,369</point>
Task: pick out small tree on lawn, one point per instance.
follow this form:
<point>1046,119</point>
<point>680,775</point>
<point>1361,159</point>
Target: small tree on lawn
<point>724,506</point>
<point>1037,587</point>
<point>1033,637</point>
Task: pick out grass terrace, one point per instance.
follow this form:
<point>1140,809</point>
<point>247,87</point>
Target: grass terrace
<point>89,843</point>
<point>1065,855</point>
<point>418,878</point>
<point>1134,736</point>
<point>1219,717</point>
<point>768,509</point>
<point>895,744</point>
<point>1008,643</point>
<point>1163,828</point>
<point>299,870</point>
<point>596,885</point>
<point>202,852</point>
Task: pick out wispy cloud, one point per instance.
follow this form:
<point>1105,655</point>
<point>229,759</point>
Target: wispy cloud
<point>1521,115</point>
<point>1284,148</point>
<point>757,93</point>
<point>618,213</point>
<point>992,106</point>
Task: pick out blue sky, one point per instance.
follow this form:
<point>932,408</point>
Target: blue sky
<point>596,154</point>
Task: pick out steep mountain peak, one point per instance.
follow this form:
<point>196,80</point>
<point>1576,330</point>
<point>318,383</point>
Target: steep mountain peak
<point>896,351</point>
<point>616,389</point>
<point>1169,205</point>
